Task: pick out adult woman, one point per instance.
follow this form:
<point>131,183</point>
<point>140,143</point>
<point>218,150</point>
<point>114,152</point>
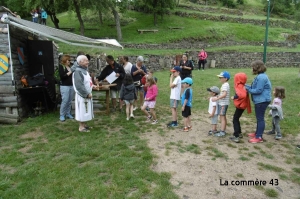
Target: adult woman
<point>260,91</point>
<point>66,88</point>
<point>138,71</point>
<point>186,67</point>
<point>202,59</point>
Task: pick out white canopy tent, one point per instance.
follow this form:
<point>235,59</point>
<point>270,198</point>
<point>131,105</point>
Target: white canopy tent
<point>60,35</point>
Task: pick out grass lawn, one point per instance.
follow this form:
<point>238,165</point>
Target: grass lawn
<point>44,158</point>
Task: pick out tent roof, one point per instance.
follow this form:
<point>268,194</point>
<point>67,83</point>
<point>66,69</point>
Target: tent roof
<point>63,36</point>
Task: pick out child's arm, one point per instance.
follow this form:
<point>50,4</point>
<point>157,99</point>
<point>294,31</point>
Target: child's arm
<point>184,104</point>
<point>220,97</point>
<point>172,85</point>
<point>213,111</point>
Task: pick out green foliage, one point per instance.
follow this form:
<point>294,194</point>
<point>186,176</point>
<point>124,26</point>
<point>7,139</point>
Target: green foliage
<point>271,193</point>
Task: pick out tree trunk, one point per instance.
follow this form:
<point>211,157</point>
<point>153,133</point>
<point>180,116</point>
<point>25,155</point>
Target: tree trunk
<point>77,10</point>
<point>100,17</point>
<point>54,20</point>
<point>118,26</point>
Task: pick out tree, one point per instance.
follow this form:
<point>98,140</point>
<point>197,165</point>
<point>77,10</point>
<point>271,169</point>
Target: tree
<point>156,7</point>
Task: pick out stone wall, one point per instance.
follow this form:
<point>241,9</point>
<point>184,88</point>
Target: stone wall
<point>194,44</point>
<point>222,60</point>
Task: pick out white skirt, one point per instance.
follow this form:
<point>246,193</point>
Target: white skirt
<point>83,109</point>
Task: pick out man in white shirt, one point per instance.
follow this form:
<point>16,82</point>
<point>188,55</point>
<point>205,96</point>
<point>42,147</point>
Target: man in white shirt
<point>175,85</point>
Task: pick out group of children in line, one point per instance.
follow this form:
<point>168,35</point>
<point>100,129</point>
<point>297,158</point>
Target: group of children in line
<point>181,91</point>
<point>218,103</point>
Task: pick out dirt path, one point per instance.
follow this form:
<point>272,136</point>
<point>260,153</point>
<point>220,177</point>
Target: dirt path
<point>201,164</point>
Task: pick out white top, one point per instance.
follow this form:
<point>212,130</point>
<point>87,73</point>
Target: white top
<point>225,88</point>
<point>211,106</point>
<point>175,92</point>
<point>128,67</point>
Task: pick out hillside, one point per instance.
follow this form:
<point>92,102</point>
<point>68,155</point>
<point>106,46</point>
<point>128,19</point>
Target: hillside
<point>203,24</point>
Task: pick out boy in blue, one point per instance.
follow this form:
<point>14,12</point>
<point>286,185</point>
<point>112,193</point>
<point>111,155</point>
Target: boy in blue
<point>186,102</point>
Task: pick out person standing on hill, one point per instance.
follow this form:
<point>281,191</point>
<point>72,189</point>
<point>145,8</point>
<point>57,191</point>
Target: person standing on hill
<point>44,16</point>
<point>202,59</point>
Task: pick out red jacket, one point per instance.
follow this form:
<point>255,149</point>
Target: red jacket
<point>241,100</point>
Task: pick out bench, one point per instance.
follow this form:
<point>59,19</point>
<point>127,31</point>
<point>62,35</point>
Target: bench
<point>71,29</point>
<point>141,31</point>
<point>175,28</point>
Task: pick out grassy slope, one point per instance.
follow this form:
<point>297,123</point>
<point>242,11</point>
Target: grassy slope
<point>207,31</point>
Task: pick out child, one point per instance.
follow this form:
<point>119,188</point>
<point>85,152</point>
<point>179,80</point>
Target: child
<point>276,111</point>
<point>212,109</point>
<point>241,102</point>
<point>128,94</point>
<point>150,100</point>
<point>186,102</point>
<point>223,101</point>
<point>175,85</point>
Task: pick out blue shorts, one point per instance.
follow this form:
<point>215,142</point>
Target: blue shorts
<point>174,103</point>
<point>214,119</point>
<point>139,88</point>
<point>222,109</point>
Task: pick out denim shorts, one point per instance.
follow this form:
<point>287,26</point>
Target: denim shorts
<point>174,103</point>
<point>222,109</point>
<point>129,101</point>
<point>139,88</point>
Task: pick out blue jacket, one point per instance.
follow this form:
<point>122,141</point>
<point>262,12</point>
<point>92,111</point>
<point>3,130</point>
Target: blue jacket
<point>260,89</point>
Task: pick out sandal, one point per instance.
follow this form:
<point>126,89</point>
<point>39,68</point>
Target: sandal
<point>84,130</point>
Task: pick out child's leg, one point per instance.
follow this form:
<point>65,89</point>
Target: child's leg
<point>127,110</point>
<point>277,125</point>
<point>174,114</point>
<point>152,112</point>
<point>223,122</point>
<point>214,127</point>
<point>185,121</point>
<point>131,108</point>
<point>236,122</point>
<point>144,110</point>
<point>189,124</point>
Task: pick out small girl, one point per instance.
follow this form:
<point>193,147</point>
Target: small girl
<point>212,109</point>
<point>128,94</point>
<point>150,99</point>
<point>276,111</point>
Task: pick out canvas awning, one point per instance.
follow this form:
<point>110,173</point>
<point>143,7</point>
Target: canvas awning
<point>62,36</point>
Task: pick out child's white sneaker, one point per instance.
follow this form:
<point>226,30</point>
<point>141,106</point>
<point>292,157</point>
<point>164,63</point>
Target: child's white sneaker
<point>127,118</point>
<point>131,115</point>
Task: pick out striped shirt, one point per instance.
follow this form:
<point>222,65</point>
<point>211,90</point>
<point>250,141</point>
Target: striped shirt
<point>224,88</point>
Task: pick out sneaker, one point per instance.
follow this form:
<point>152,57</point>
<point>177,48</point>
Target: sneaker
<point>69,116</point>
<point>211,132</point>
<point>235,139</point>
<point>256,140</point>
<point>278,137</point>
<point>190,128</point>
<point>149,118</point>
<point>62,118</point>
<point>173,125</point>
<point>134,108</point>
<point>154,122</point>
<point>240,135</point>
<point>131,115</point>
<point>220,134</point>
<point>127,118</point>
<point>270,132</point>
<point>186,129</point>
<point>251,135</point>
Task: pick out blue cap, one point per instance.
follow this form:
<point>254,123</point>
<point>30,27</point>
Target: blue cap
<point>176,68</point>
<point>187,80</point>
<point>224,74</point>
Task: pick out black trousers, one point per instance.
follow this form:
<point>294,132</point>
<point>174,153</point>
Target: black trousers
<point>236,122</point>
<point>201,62</point>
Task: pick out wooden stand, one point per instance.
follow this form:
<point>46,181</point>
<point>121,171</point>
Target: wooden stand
<point>106,88</point>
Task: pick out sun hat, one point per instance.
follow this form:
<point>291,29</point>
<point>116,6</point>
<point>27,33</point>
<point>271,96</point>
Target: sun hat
<point>214,89</point>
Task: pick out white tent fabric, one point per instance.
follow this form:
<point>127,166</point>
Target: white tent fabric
<point>63,36</point>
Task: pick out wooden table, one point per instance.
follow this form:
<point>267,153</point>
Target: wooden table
<point>106,100</point>
<point>106,88</point>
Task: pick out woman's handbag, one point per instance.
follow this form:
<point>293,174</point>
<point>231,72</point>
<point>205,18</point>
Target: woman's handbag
<point>205,61</point>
